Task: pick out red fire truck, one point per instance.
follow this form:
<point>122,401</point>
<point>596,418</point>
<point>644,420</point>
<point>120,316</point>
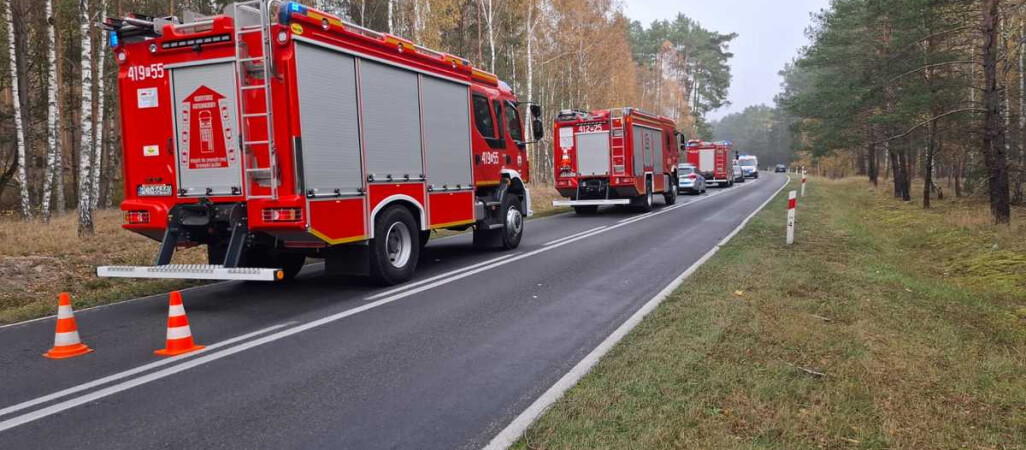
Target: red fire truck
<point>713,161</point>
<point>277,132</point>
<point>615,157</point>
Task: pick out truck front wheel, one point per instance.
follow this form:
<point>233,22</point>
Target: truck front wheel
<point>513,224</point>
<point>512,231</point>
<point>395,248</point>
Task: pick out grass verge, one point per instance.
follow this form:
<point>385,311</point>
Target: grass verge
<point>39,261</point>
<point>885,326</point>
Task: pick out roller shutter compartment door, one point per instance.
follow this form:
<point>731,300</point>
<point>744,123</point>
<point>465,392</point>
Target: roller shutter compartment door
<point>329,121</point>
<point>593,153</point>
<point>446,134</point>
<point>391,121</point>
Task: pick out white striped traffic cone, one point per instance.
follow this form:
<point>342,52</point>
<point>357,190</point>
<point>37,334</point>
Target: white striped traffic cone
<point>66,342</point>
<point>179,336</point>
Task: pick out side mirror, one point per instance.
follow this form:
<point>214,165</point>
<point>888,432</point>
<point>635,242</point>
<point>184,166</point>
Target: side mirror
<point>536,111</point>
<point>537,127</point>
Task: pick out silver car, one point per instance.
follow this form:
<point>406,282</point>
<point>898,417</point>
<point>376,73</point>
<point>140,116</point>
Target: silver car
<point>689,180</point>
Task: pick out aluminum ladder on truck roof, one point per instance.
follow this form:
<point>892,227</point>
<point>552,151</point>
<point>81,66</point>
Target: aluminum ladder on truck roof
<point>253,17</point>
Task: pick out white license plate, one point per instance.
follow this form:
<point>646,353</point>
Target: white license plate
<point>154,190</point>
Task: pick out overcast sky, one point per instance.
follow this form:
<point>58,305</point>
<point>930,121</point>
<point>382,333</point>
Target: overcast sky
<point>770,32</point>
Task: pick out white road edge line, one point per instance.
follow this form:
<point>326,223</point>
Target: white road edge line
<point>572,236</point>
<point>210,357</point>
<point>130,372</point>
<point>509,435</point>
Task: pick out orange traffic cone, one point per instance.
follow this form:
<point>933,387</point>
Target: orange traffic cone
<point>66,342</point>
<point>179,336</point>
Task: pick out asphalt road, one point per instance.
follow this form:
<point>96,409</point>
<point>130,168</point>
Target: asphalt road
<point>446,361</point>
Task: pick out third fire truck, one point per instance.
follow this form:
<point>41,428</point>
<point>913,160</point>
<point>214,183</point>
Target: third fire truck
<point>621,156</point>
<point>276,132</point>
<point>713,160</point>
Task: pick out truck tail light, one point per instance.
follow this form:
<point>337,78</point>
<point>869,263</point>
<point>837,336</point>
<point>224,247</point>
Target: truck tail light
<point>137,217</point>
<point>283,215</point>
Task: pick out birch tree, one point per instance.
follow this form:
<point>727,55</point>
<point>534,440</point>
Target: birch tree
<point>85,214</point>
<point>98,134</point>
<point>52,117</point>
<point>489,18</point>
<point>26,210</point>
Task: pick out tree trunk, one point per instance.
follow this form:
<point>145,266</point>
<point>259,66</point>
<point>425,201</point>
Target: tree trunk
<point>928,164</point>
<point>957,175</point>
<point>895,171</point>
<point>85,216</point>
<point>873,169</point>
<point>1021,177</point>
<point>994,155</point>
<point>904,159</point>
<point>19,128</point>
<point>529,37</point>
<point>60,202</point>
<point>52,117</point>
<point>391,16</point>
<point>98,135</point>
<point>489,15</point>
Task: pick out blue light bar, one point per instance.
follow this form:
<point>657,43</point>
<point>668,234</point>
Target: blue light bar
<point>288,9</point>
<point>113,39</point>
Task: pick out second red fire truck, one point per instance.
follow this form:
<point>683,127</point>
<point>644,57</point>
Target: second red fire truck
<point>276,132</point>
<point>713,160</point>
<point>619,156</point>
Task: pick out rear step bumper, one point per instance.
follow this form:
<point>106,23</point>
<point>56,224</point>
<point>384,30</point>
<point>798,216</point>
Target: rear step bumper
<point>600,202</point>
<point>191,272</point>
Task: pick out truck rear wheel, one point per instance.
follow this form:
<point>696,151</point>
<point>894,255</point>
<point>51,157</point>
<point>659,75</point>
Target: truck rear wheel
<point>395,248</point>
<point>644,202</point>
<point>670,196</point>
<point>585,210</point>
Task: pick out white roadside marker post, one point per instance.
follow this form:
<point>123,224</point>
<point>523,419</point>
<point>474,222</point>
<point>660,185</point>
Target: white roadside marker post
<point>804,177</point>
<point>792,201</point>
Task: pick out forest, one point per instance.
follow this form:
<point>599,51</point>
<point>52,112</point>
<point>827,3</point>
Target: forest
<point>59,136</point>
<point>905,90</point>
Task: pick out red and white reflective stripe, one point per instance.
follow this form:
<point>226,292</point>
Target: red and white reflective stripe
<point>175,311</point>
<point>792,201</point>
<point>65,339</point>
<point>178,332</point>
<point>64,312</point>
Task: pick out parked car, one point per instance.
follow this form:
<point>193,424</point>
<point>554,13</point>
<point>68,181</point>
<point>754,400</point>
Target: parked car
<point>739,175</point>
<point>689,179</point>
<point>780,168</point>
